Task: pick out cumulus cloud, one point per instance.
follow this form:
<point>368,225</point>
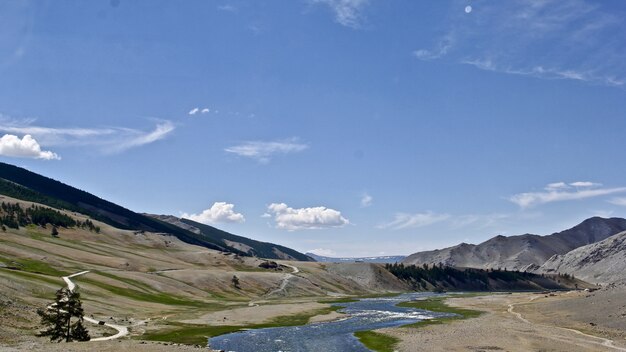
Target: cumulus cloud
<point>291,219</point>
<point>263,151</point>
<point>366,200</point>
<point>347,13</point>
<point>27,147</point>
<point>219,212</point>
<point>404,220</point>
<point>108,140</point>
<point>559,191</point>
<point>198,110</point>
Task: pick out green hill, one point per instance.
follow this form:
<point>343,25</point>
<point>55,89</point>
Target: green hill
<point>20,183</point>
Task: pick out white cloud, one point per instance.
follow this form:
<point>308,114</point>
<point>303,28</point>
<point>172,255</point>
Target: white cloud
<point>137,139</point>
<point>227,8</point>
<point>585,184</point>
<point>108,140</point>
<point>366,200</point>
<point>323,252</point>
<point>404,220</point>
<point>219,212</point>
<point>205,111</point>
<point>27,147</point>
<point>562,192</point>
<point>263,151</point>
<point>194,111</point>
<point>504,36</point>
<point>348,13</point>
<point>291,219</point>
<point>621,201</point>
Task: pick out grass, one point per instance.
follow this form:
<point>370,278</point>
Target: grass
<point>152,297</point>
<point>197,335</point>
<point>339,300</point>
<point>376,341</point>
<point>437,304</point>
<point>37,267</point>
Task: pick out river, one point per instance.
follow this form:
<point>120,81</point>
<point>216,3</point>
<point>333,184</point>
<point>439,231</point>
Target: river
<point>335,336</point>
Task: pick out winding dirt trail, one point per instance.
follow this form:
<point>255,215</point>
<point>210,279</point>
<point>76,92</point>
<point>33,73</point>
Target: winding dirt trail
<point>285,282</point>
<point>595,339</point>
<point>121,330</point>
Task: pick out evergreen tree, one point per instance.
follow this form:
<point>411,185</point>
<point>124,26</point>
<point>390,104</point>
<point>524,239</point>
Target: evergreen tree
<point>57,318</point>
<point>55,232</point>
<point>235,281</point>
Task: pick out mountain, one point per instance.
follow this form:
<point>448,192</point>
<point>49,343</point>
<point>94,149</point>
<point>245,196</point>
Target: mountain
<point>235,243</point>
<point>381,259</point>
<point>22,184</point>
<point>601,262</point>
<point>524,252</point>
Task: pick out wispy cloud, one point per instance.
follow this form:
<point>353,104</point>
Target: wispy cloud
<point>366,200</point>
<point>529,38</point>
<point>227,8</point>
<point>27,147</point>
<point>404,220</point>
<point>292,219</point>
<point>560,191</point>
<point>107,140</point>
<point>263,151</point>
<point>139,138</point>
<point>219,212</point>
<point>347,13</point>
<point>621,201</point>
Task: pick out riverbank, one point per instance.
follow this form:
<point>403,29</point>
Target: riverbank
<point>512,322</point>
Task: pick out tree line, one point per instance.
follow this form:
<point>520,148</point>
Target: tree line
<point>13,215</point>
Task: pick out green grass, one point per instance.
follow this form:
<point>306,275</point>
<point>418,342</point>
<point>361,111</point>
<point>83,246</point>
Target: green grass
<point>152,297</point>
<point>437,304</point>
<point>376,341</point>
<point>197,335</point>
<point>339,300</point>
<point>37,267</point>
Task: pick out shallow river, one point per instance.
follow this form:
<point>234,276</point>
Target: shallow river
<point>366,314</point>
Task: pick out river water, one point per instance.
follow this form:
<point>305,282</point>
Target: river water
<point>336,336</point>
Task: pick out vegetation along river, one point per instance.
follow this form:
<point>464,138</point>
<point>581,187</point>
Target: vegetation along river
<point>366,314</point>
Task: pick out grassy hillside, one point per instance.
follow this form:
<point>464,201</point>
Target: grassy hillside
<point>258,249</point>
<point>20,183</point>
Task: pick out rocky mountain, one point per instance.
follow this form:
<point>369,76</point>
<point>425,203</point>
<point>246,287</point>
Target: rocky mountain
<point>381,259</point>
<point>602,262</point>
<point>22,184</point>
<point>235,243</point>
<point>524,252</point>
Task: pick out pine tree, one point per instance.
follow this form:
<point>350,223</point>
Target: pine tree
<point>235,281</point>
<point>57,318</point>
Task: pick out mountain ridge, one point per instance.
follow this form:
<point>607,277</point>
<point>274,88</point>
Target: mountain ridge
<point>23,184</point>
<point>521,252</point>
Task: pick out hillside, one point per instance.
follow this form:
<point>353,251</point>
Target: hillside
<point>138,277</point>
<point>379,259</point>
<point>520,252</point>
<point>422,278</point>
<point>233,242</point>
<point>22,184</point>
<point>602,262</point>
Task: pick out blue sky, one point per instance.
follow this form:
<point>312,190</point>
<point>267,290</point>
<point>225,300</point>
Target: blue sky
<point>349,127</point>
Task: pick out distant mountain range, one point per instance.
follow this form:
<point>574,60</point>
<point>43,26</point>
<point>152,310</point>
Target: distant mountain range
<point>524,252</point>
<point>20,183</point>
<point>382,259</point>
